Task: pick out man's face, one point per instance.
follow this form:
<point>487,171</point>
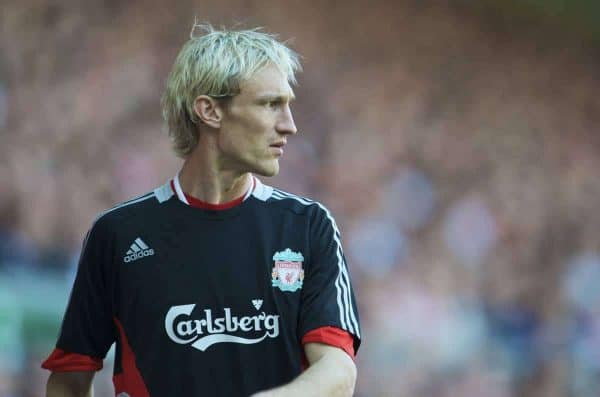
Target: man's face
<point>256,124</point>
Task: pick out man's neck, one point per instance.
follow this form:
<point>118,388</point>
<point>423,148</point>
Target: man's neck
<point>201,178</point>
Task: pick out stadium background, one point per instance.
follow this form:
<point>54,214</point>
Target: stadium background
<point>456,144</point>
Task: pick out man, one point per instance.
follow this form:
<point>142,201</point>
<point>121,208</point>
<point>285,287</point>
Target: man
<point>216,284</point>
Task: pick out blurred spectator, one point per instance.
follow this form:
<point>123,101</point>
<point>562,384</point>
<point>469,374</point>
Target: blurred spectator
<point>409,198</point>
<point>470,231</point>
<point>376,245</point>
<point>3,105</point>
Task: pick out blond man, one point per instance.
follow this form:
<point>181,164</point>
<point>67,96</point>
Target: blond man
<point>216,284</point>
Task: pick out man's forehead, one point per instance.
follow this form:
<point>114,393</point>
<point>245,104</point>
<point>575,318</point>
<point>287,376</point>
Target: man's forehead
<point>267,82</point>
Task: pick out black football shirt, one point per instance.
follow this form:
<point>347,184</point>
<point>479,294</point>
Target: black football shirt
<point>208,303</point>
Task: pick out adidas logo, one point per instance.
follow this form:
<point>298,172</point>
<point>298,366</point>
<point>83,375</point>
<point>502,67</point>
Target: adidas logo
<point>138,250</point>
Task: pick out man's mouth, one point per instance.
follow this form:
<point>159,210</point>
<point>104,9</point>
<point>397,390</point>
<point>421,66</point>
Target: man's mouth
<point>278,147</point>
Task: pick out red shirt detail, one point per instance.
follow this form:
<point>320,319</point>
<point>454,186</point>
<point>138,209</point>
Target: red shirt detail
<point>195,202</point>
<point>332,336</point>
<point>129,381</point>
<point>62,361</point>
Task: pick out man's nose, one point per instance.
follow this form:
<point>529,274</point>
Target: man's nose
<point>286,123</point>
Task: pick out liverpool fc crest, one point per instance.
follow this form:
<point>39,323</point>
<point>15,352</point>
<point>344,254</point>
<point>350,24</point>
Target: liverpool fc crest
<point>287,271</point>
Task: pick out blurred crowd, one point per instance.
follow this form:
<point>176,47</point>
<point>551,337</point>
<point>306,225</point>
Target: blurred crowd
<point>460,157</point>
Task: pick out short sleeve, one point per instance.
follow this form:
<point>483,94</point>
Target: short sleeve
<point>88,328</point>
<point>327,295</point>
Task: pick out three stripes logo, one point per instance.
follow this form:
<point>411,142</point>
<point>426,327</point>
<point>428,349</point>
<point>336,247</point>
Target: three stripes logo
<point>137,250</point>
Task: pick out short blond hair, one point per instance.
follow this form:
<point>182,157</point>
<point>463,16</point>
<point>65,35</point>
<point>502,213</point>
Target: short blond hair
<point>214,64</point>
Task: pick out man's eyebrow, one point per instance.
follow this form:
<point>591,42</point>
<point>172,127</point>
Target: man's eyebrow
<point>276,97</point>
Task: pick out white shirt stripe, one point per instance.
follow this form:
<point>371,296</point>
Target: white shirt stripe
<point>125,204</point>
<point>178,190</point>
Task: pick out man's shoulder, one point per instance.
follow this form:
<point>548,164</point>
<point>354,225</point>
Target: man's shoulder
<point>140,206</point>
<point>297,203</point>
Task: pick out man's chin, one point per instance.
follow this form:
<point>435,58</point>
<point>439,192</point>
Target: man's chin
<point>267,170</point>
<point>267,174</point>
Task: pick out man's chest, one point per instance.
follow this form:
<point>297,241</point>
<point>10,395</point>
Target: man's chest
<point>210,285</point>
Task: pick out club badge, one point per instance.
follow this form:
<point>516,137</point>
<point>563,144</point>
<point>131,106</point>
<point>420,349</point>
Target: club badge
<point>287,271</point>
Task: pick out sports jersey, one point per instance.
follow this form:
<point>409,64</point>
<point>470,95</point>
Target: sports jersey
<point>207,302</point>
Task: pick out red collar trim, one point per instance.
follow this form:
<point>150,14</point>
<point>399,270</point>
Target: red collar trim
<point>197,203</point>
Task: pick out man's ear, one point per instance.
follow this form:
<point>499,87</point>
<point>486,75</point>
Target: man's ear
<point>208,110</point>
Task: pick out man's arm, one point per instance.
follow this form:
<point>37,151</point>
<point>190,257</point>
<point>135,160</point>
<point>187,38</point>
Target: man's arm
<point>70,384</point>
<point>331,373</point>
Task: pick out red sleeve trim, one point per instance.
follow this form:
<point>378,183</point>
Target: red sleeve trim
<point>62,361</point>
<point>332,336</point>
